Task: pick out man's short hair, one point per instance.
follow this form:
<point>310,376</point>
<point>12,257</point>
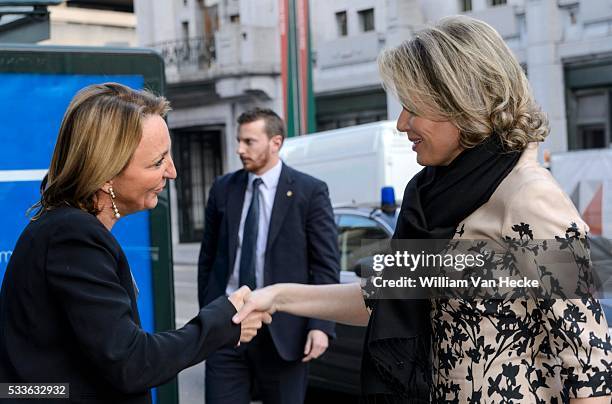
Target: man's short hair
<point>274,125</point>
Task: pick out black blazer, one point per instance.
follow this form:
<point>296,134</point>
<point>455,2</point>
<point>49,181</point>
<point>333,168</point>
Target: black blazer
<point>302,246</point>
<point>68,314</point>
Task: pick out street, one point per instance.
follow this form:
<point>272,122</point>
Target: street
<point>191,381</point>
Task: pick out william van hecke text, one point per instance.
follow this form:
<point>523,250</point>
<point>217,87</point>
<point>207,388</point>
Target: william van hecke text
<point>446,282</point>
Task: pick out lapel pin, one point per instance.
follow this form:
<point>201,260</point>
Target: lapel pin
<point>289,193</point>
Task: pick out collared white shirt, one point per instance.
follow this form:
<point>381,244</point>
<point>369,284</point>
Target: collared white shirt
<point>267,192</point>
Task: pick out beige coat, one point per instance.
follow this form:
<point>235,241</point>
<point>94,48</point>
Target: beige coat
<point>528,194</point>
<point>521,350</point>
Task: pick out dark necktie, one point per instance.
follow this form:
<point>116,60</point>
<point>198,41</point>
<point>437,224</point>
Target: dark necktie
<point>249,240</point>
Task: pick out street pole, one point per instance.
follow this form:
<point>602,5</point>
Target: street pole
<point>296,67</point>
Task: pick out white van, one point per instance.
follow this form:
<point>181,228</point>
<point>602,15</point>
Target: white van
<point>355,162</point>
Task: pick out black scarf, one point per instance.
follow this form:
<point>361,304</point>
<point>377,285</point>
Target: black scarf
<point>397,365</point>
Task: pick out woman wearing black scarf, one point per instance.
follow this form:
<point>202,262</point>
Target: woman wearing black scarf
<point>468,109</point>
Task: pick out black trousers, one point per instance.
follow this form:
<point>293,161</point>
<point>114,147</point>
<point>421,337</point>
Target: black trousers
<point>254,370</point>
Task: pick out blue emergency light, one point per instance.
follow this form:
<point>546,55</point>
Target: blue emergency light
<point>387,200</point>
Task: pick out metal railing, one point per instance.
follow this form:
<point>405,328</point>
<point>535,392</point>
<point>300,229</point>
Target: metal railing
<point>192,53</point>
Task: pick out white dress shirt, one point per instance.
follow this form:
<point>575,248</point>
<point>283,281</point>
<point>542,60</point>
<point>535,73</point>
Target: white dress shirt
<point>267,192</point>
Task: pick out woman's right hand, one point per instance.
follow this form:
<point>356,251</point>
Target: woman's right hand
<point>342,303</point>
<point>258,301</point>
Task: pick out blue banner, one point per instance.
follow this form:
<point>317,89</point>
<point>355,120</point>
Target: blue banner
<point>31,111</point>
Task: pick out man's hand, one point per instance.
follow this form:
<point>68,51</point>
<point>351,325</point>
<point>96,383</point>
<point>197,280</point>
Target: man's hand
<point>252,321</point>
<point>261,300</point>
<point>316,345</point>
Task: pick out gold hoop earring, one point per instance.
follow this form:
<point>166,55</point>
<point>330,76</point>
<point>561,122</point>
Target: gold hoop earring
<point>113,196</point>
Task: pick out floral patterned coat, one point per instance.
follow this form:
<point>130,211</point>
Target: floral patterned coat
<point>522,350</point>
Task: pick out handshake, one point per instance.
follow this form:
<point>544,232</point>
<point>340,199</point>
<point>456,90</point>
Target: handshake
<point>252,312</point>
<point>255,308</point>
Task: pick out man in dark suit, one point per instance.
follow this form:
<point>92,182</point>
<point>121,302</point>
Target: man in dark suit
<point>266,224</point>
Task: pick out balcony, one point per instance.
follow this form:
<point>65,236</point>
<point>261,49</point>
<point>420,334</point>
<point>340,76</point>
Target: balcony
<point>186,56</point>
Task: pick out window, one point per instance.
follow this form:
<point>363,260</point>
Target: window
<point>591,136</point>
<point>185,28</point>
<point>366,20</point>
<point>235,18</point>
<point>573,16</point>
<point>341,23</point>
<point>498,2</point>
<point>357,237</point>
<point>465,5</point>
<point>120,5</point>
<point>342,120</point>
<point>197,155</point>
<point>590,118</point>
<point>351,108</point>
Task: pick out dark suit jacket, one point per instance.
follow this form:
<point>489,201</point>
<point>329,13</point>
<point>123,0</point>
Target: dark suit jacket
<point>301,248</point>
<point>68,314</point>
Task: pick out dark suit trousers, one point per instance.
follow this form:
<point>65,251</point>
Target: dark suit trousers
<point>235,375</point>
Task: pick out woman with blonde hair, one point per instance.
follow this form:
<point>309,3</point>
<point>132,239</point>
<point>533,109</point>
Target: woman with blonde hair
<point>468,109</point>
<point>68,310</point>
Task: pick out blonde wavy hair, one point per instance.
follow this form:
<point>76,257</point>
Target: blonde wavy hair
<point>460,70</point>
<point>100,131</point>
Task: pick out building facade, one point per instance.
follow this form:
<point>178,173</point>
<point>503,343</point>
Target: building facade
<point>68,22</point>
<point>222,57</point>
<point>93,23</point>
<point>565,47</point>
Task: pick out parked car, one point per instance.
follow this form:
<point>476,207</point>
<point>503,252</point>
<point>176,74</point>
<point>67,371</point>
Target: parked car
<point>338,369</point>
